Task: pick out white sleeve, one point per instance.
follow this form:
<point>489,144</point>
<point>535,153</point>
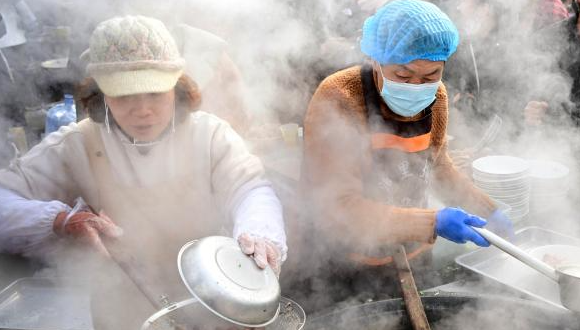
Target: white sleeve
<point>259,213</point>
<point>26,225</point>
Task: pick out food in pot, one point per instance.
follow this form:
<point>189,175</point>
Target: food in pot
<point>553,260</point>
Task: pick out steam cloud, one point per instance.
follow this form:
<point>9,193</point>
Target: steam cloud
<point>284,48</point>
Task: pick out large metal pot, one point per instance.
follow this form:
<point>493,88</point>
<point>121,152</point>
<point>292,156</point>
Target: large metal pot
<point>191,314</point>
<point>569,282</point>
<point>450,312</point>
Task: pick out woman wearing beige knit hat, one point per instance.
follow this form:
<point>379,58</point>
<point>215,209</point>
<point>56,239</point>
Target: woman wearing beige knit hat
<point>147,163</point>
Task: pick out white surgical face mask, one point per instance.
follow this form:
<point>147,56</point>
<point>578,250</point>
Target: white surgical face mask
<point>407,100</point>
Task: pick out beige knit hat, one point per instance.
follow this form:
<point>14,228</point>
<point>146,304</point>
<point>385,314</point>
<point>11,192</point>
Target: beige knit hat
<point>134,55</point>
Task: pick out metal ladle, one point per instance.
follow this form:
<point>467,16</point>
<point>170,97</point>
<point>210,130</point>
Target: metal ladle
<point>567,277</point>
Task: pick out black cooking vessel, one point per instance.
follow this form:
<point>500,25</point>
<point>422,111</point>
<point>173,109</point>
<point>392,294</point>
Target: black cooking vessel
<point>450,312</point>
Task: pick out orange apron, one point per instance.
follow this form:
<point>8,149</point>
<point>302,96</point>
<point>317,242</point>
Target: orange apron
<point>400,168</point>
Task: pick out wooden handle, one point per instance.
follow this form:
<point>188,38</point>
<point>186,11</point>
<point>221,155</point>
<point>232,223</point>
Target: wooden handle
<point>129,266</point>
<point>410,293</point>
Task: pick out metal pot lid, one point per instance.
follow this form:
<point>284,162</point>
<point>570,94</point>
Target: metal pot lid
<point>228,282</point>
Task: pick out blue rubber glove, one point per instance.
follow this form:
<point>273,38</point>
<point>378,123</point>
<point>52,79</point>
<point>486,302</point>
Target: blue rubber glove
<point>501,225</point>
<point>454,224</point>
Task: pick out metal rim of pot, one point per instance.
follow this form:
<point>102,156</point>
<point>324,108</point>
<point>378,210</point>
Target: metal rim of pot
<point>228,283</point>
<point>569,285</point>
<point>175,306</point>
<point>437,303</point>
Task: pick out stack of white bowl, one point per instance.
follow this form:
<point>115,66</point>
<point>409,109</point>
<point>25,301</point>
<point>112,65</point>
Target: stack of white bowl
<point>550,184</point>
<point>505,179</point>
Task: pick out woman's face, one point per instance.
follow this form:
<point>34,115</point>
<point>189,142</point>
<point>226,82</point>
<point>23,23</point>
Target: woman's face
<point>416,72</point>
<point>143,116</point>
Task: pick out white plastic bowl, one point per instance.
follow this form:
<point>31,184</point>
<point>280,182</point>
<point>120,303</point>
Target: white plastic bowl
<point>500,166</point>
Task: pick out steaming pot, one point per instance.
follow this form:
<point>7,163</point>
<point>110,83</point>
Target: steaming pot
<point>229,284</point>
<point>450,312</point>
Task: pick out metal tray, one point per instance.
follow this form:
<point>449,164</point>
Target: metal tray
<point>42,304</point>
<point>493,264</point>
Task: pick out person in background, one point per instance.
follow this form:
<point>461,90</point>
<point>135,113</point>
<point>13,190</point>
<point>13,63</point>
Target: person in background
<point>145,172</point>
<point>374,140</point>
<point>496,70</point>
<point>473,78</point>
<point>563,37</point>
<point>481,77</point>
<point>17,24</point>
<point>548,12</point>
<point>209,64</point>
<point>336,28</point>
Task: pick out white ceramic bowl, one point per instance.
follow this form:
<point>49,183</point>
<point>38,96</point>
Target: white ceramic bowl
<point>500,166</point>
<point>547,170</point>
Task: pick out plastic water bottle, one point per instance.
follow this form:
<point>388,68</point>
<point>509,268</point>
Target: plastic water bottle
<point>61,114</point>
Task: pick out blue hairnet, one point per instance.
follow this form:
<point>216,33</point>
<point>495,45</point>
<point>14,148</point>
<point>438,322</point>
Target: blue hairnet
<point>406,30</point>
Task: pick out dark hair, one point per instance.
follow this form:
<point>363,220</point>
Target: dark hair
<point>90,98</point>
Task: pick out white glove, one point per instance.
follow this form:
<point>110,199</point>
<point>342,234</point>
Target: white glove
<point>263,250</point>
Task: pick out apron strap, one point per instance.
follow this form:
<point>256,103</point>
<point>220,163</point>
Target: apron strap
<point>96,154</point>
<point>371,96</point>
<point>89,130</point>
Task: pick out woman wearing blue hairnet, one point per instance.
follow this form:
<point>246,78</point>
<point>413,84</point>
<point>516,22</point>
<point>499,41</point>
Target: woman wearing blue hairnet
<point>374,138</point>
